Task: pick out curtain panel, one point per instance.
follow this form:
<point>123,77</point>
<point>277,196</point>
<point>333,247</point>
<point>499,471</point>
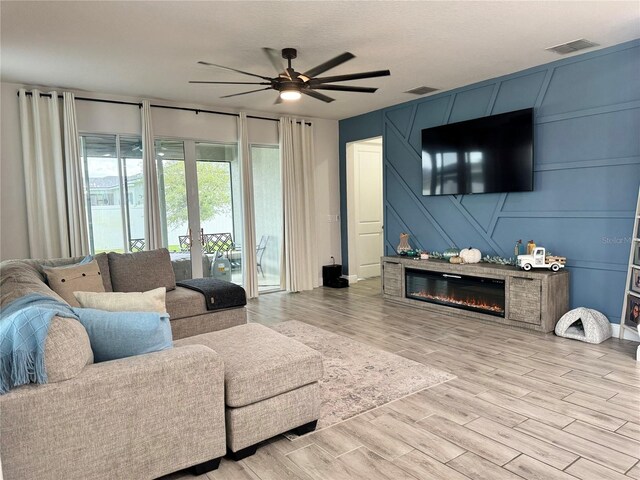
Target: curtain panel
<point>249,260</point>
<point>54,181</point>
<point>152,222</point>
<point>76,204</point>
<point>298,182</point>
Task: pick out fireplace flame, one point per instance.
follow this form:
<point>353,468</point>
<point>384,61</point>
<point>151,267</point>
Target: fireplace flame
<point>469,302</point>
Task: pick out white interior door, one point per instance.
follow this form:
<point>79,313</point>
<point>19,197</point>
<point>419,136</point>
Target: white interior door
<point>367,169</point>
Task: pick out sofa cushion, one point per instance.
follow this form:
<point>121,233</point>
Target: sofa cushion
<point>116,335</point>
<point>67,349</point>
<point>182,303</point>
<point>259,363</point>
<point>19,278</point>
<point>141,271</point>
<point>151,301</point>
<point>80,277</point>
<point>103,263</point>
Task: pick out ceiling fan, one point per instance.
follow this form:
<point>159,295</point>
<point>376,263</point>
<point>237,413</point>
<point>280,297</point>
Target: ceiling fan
<point>292,84</point>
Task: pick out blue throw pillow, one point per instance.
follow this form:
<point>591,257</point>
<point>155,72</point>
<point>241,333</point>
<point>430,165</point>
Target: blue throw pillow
<point>116,335</point>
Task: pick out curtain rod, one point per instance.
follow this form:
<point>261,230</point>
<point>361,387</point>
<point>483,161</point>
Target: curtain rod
<point>139,105</point>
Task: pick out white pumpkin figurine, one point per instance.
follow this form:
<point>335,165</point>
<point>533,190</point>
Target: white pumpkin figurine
<point>470,255</point>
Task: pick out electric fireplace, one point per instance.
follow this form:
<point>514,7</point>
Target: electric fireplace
<point>478,294</point>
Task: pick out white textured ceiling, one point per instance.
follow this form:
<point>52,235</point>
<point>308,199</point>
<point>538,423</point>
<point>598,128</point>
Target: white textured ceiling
<point>150,49</point>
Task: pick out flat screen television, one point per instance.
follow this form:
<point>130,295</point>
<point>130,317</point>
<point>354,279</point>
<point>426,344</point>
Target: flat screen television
<point>485,155</point>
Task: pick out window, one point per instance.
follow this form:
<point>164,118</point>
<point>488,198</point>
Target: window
<point>114,191</point>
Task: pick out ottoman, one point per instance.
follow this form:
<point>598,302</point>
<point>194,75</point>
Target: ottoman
<point>271,384</point>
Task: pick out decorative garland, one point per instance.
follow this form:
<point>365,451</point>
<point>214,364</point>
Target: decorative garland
<point>499,260</point>
<point>486,259</point>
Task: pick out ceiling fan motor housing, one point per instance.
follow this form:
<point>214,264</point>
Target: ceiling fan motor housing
<point>289,53</point>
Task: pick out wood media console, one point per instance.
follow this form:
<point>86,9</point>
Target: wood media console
<point>535,300</point>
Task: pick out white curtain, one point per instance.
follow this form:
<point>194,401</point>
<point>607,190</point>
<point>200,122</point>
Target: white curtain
<point>76,205</point>
<point>249,260</point>
<point>152,222</point>
<point>298,183</point>
<point>44,175</point>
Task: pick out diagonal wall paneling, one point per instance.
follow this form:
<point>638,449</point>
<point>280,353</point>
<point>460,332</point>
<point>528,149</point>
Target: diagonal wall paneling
<point>586,170</point>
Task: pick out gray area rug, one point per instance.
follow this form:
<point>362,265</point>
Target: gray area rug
<point>357,377</point>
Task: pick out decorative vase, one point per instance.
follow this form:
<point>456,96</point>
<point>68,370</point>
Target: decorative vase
<point>518,248</point>
<point>450,252</point>
<point>403,246</point>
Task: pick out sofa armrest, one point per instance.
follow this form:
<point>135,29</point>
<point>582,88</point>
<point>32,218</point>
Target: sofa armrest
<point>139,417</point>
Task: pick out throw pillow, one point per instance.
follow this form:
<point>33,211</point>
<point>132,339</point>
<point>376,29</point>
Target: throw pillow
<point>151,301</point>
<point>74,278</point>
<point>116,335</point>
<point>67,349</point>
<point>141,271</point>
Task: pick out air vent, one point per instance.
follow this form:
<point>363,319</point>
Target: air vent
<point>421,90</point>
<point>571,47</point>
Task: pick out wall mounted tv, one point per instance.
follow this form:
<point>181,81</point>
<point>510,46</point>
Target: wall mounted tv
<point>485,155</point>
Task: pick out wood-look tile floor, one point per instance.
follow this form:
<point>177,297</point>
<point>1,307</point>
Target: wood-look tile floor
<point>523,405</point>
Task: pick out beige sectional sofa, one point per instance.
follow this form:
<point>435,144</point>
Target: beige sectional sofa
<point>219,391</point>
<point>154,414</point>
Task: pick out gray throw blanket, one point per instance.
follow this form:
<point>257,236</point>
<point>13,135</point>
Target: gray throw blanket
<point>217,293</point>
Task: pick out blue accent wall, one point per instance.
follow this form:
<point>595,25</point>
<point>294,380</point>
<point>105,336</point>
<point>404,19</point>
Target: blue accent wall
<point>586,170</point>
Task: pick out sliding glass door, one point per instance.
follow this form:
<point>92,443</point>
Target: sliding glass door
<point>267,192</point>
<point>220,212</point>
<point>174,205</point>
<point>196,184</point>
<point>200,201</point>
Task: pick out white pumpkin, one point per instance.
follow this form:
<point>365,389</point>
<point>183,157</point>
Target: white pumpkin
<point>470,255</point>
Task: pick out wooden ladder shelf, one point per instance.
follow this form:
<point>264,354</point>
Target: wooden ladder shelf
<point>632,289</point>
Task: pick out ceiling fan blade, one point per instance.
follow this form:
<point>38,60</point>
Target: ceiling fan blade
<point>328,65</point>
<point>351,76</point>
<point>275,58</point>
<point>343,88</point>
<point>233,70</point>
<point>318,95</point>
<point>244,93</point>
<point>231,83</point>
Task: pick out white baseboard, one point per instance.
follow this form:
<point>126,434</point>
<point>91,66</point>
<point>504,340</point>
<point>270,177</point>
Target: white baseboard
<point>628,334</point>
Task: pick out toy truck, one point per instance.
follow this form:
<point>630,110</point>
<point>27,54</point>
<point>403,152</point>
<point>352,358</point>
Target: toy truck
<point>539,259</point>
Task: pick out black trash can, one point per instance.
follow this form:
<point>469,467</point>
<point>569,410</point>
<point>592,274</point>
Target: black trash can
<point>331,276</point>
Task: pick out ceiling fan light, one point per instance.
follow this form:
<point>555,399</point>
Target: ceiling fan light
<point>290,94</point>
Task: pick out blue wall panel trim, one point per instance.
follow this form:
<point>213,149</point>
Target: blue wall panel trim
<point>400,119</point>
<point>412,201</point>
<point>471,104</point>
<point>586,169</point>
<point>430,113</point>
